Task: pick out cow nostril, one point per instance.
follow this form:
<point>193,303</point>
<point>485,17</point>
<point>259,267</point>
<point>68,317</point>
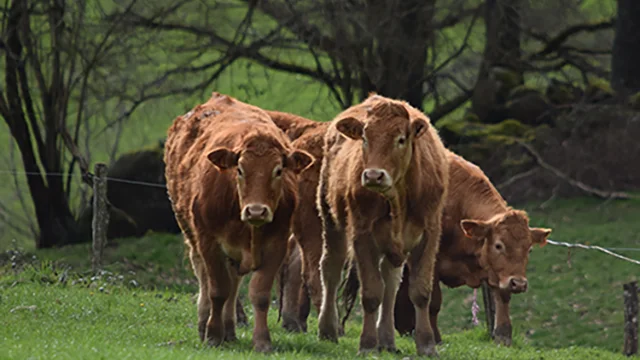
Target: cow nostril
<point>518,283</point>
<point>257,211</point>
<point>374,175</point>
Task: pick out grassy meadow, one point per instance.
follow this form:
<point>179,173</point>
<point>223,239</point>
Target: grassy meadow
<point>52,306</point>
<point>142,306</point>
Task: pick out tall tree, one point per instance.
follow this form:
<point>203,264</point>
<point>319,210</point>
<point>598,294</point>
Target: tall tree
<point>625,72</point>
<point>501,49</point>
<point>62,60</point>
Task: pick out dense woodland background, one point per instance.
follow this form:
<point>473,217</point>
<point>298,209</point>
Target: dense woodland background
<point>94,81</point>
<point>543,95</point>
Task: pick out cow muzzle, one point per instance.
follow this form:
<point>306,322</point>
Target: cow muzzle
<point>376,179</point>
<point>517,284</point>
<point>256,214</point>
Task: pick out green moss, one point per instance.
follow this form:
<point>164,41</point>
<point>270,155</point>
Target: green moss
<point>634,101</point>
<point>599,88</point>
<point>561,93</point>
<point>522,90</point>
<point>509,78</point>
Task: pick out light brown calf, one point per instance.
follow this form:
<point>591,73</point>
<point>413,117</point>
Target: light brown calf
<point>382,187</point>
<point>231,178</point>
<point>482,239</point>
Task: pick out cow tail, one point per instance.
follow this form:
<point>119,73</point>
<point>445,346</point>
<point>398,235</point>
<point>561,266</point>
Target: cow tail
<point>351,285</point>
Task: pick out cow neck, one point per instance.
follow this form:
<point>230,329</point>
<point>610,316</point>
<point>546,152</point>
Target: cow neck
<point>397,202</point>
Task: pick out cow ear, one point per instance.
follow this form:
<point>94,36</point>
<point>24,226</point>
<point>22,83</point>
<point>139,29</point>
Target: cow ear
<point>223,158</point>
<point>418,127</point>
<point>539,235</point>
<point>350,127</point>
<point>475,229</point>
<point>298,161</point>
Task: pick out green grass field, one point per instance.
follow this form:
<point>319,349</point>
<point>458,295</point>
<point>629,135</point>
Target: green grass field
<point>143,307</point>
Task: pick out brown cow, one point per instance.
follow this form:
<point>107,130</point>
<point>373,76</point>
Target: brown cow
<point>382,187</point>
<point>231,178</point>
<point>307,230</point>
<point>301,274</point>
<point>483,239</point>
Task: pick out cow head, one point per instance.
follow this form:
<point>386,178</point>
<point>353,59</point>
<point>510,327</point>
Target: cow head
<point>387,138</point>
<point>504,243</point>
<point>260,166</point>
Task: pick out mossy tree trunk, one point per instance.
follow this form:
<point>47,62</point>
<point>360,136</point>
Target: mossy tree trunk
<point>403,31</point>
<point>625,59</point>
<point>502,50</point>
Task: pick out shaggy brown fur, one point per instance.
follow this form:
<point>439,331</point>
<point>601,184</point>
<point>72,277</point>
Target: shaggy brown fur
<point>482,239</point>
<point>231,178</point>
<point>381,193</point>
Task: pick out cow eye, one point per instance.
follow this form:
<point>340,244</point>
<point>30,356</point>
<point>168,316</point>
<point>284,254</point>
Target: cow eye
<point>240,173</point>
<point>277,172</point>
<point>402,140</point>
<point>498,247</point>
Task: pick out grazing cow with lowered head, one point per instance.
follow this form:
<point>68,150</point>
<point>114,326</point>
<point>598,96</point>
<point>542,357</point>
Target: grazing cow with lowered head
<point>483,239</point>
<point>383,182</point>
<point>231,179</point>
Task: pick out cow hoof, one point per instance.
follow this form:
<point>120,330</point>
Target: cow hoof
<point>230,337</point>
<point>328,336</point>
<point>263,347</point>
<point>503,341</point>
<point>429,351</point>
<point>365,351</point>
<point>502,335</point>
<point>215,342</point>
<point>291,325</point>
<point>390,349</point>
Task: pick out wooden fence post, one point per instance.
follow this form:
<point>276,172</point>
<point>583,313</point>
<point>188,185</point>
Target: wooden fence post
<point>489,307</point>
<point>630,318</point>
<point>100,215</point>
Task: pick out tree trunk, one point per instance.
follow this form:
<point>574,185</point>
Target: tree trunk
<point>502,49</point>
<point>403,31</point>
<point>55,221</point>
<point>625,72</point>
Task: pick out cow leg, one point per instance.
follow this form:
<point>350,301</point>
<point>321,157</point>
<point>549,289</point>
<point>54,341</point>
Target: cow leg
<point>291,279</point>
<point>204,302</point>
<point>229,311</point>
<point>241,317</point>
<point>334,254</point>
<point>219,292</point>
<point>404,313</point>
<point>260,291</point>
<point>304,306</point>
<point>392,276</point>
<point>372,291</point>
<point>502,331</point>
<point>420,289</point>
<point>311,250</point>
<point>434,309</point>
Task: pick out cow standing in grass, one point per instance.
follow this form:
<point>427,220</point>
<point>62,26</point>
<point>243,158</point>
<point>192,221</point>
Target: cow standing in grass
<point>483,239</point>
<point>382,187</point>
<point>231,178</point>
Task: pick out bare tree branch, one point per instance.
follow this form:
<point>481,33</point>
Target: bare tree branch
<point>578,184</point>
